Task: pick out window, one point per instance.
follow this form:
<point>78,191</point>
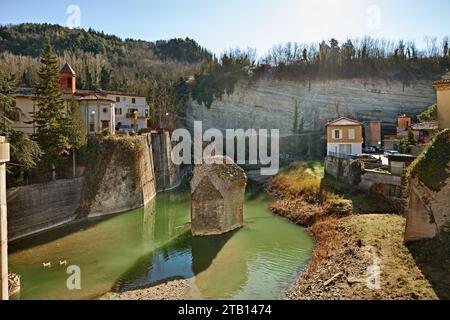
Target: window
<point>117,99</point>
<point>336,134</point>
<point>351,134</point>
<point>69,83</point>
<point>146,113</point>
<point>133,100</point>
<point>118,111</point>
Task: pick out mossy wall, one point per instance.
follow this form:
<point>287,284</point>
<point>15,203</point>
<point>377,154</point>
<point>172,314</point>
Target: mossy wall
<point>428,209</point>
<point>432,166</point>
<point>119,176</point>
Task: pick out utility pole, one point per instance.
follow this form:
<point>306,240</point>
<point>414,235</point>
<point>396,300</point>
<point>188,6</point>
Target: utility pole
<point>4,158</point>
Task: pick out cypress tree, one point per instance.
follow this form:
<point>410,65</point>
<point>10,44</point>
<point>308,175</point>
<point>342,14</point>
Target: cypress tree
<point>50,119</point>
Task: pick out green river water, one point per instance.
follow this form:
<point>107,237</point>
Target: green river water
<point>146,246</point>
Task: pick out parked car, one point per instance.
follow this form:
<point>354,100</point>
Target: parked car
<point>367,158</point>
<point>373,149</point>
<point>391,153</point>
<point>126,129</point>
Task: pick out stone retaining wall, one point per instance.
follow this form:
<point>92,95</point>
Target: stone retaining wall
<point>38,207</point>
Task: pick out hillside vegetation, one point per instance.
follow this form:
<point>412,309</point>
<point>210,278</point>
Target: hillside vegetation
<point>100,60</point>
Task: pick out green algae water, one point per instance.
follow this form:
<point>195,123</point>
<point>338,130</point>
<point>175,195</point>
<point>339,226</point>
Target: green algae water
<point>144,247</point>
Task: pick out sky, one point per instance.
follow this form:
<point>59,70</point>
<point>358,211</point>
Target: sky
<point>222,24</point>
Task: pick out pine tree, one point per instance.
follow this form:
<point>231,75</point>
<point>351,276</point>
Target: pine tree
<point>74,127</point>
<point>105,77</point>
<point>50,119</point>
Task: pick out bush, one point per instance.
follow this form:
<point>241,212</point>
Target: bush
<point>106,132</point>
<point>355,172</point>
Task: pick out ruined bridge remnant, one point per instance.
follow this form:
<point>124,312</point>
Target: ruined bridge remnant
<point>217,197</point>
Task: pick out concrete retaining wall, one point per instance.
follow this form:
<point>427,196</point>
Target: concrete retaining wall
<point>39,207</point>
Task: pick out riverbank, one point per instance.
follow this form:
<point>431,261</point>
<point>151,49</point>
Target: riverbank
<point>171,290</point>
<point>354,244</point>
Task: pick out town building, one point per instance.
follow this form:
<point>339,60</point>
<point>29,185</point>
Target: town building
<point>100,109</point>
<point>404,123</point>
<point>372,134</point>
<point>443,103</point>
<point>126,106</point>
<point>425,131</point>
<point>344,137</point>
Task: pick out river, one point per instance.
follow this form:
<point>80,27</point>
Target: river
<point>153,244</point>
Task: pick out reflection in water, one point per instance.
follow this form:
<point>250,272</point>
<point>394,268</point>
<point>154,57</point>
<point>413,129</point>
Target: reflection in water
<point>146,246</point>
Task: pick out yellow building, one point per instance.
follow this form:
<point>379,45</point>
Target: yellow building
<point>443,103</point>
<point>344,137</point>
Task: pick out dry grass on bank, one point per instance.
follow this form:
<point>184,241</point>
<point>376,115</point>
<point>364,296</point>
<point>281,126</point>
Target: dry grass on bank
<point>349,241</point>
<point>347,247</point>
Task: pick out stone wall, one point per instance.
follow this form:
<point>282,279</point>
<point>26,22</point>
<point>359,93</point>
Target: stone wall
<point>384,184</point>
<point>121,177</point>
<point>38,207</point>
<point>338,168</point>
<point>125,173</point>
<point>167,174</point>
<point>428,212</point>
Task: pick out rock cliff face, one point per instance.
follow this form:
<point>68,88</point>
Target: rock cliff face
<point>270,104</point>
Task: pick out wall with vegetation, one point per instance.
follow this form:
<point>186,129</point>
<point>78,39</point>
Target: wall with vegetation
<point>119,177</point>
<point>428,209</point>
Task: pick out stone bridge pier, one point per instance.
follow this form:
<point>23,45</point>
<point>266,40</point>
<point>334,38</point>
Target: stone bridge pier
<point>218,192</point>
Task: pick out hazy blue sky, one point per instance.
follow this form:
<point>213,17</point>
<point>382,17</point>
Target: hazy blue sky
<point>222,24</point>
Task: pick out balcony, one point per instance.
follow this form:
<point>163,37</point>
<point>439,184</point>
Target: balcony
<point>140,116</point>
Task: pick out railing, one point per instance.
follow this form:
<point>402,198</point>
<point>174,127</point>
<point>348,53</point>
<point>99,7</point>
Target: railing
<point>339,155</point>
<point>131,116</point>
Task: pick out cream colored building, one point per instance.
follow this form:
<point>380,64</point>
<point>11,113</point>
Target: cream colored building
<point>443,103</point>
<point>99,109</point>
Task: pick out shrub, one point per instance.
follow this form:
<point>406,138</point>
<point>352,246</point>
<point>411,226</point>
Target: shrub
<point>106,132</point>
<point>355,172</point>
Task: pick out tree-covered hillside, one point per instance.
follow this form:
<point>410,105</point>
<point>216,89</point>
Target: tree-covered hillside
<point>100,60</point>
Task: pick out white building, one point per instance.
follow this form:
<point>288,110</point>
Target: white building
<point>100,109</point>
<point>125,107</point>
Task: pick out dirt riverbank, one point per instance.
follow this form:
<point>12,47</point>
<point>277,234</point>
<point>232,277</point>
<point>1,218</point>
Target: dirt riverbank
<point>358,255</point>
<point>172,290</point>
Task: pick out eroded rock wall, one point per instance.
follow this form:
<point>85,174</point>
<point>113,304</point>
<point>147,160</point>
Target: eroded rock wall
<point>270,104</point>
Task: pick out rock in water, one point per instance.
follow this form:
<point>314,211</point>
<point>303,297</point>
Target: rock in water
<point>218,192</point>
<point>13,284</point>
